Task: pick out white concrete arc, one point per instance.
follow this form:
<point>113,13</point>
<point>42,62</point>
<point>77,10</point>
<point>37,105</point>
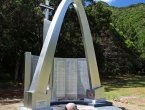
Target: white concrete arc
<point>44,65</point>
<point>88,44</point>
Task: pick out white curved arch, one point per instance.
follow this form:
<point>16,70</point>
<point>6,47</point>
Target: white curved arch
<point>44,65</point>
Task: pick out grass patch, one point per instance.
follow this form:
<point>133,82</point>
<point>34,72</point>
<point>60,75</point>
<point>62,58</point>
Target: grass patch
<point>124,85</point>
<point>131,103</point>
<point>141,105</point>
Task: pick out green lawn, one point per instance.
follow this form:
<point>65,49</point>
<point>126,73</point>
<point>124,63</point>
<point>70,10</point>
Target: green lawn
<point>124,86</point>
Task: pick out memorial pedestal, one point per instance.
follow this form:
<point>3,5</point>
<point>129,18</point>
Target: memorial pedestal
<point>95,93</point>
<point>79,106</point>
<point>37,100</point>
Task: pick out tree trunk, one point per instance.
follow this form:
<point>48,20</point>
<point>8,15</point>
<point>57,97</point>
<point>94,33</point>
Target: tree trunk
<point>16,70</point>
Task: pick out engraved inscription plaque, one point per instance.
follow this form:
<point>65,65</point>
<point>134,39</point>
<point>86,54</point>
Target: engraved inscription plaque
<point>83,78</point>
<point>59,77</point>
<point>41,103</point>
<point>34,60</point>
<point>71,78</point>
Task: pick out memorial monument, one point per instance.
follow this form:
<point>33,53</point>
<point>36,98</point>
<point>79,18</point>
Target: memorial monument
<point>53,81</point>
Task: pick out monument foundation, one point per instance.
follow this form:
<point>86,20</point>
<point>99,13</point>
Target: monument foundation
<point>51,82</point>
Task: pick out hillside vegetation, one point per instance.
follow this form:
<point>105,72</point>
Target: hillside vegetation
<point>131,21</point>
<point>117,33</point>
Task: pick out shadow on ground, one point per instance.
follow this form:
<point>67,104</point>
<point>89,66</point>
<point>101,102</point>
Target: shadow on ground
<point>123,108</point>
<point>124,81</point>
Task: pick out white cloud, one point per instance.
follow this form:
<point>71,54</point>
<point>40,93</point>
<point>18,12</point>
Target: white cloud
<point>107,1</point>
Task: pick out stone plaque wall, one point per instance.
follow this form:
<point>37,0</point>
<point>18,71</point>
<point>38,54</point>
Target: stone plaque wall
<point>59,77</point>
<point>71,78</point>
<point>34,60</point>
<point>83,78</point>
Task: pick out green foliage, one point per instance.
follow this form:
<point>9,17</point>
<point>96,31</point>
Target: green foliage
<point>117,33</point>
<point>130,20</point>
<point>5,77</point>
<point>19,30</point>
<point>70,37</point>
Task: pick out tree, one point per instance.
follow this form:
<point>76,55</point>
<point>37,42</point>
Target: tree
<point>21,27</point>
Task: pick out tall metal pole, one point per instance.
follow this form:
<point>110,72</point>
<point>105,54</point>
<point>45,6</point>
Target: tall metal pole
<point>47,10</point>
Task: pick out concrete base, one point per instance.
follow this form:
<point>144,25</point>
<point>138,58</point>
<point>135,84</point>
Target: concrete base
<point>80,107</point>
<point>95,93</point>
<point>34,101</point>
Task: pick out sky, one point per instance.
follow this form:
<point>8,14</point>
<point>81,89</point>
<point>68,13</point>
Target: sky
<point>122,3</point>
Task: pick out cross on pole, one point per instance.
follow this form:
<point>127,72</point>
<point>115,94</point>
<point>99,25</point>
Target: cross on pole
<point>47,7</point>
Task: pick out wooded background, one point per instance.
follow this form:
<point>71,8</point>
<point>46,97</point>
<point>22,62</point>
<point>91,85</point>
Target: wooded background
<point>118,36</point>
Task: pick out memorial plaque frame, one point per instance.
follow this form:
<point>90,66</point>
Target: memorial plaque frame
<point>84,77</point>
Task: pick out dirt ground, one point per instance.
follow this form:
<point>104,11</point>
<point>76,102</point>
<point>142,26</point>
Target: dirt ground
<point>13,105</point>
<point>126,106</point>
